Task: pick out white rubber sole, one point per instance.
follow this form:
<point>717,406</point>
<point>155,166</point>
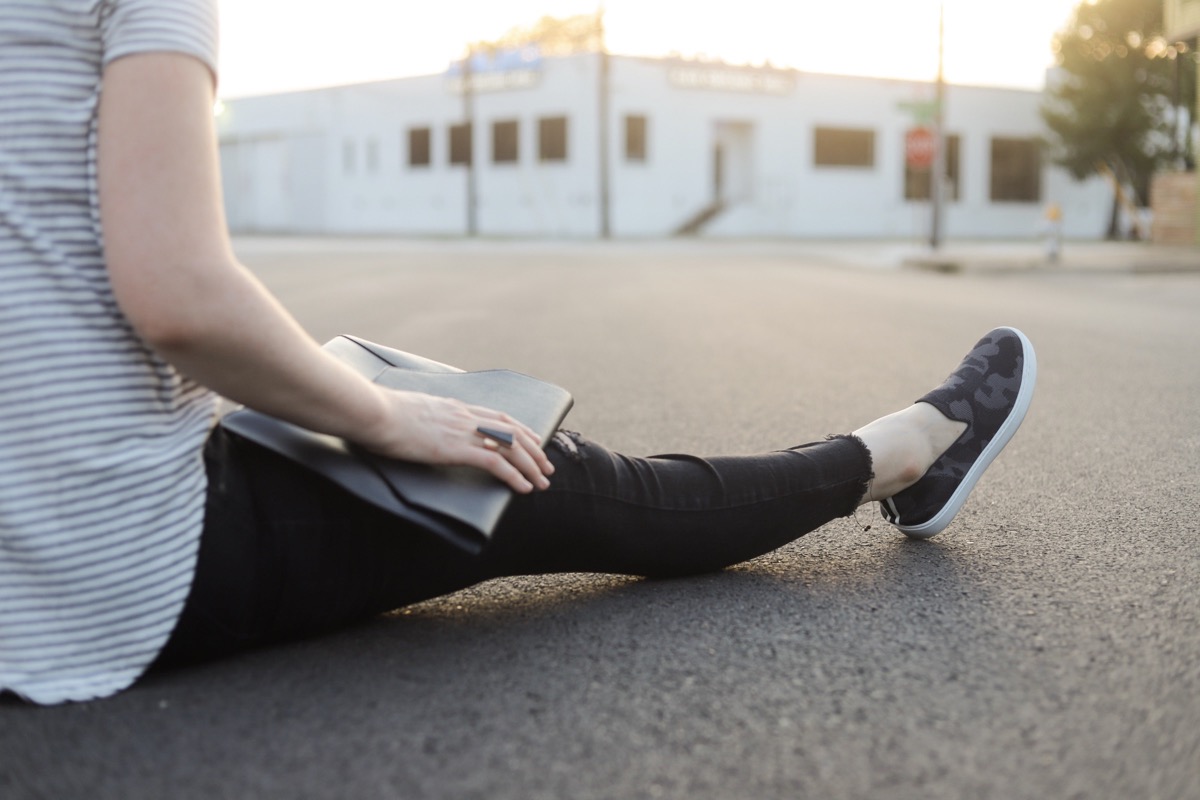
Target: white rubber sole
<point>940,520</point>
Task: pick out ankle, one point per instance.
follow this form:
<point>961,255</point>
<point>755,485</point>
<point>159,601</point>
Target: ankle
<point>904,446</point>
<point>896,476</point>
<point>911,472</point>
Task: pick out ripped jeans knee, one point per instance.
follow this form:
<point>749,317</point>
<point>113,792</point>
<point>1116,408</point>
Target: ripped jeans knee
<point>569,443</point>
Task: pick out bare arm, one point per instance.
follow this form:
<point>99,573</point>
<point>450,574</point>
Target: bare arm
<point>176,279</point>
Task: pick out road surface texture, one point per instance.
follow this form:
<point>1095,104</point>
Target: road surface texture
<point>1047,645</point>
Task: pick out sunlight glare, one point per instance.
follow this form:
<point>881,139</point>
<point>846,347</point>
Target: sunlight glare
<point>276,45</point>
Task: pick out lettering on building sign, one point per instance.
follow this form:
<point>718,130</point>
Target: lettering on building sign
<point>495,81</point>
<point>497,71</point>
<point>731,80</point>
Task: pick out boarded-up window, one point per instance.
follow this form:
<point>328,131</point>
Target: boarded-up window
<point>844,147</point>
<point>552,139</point>
<point>419,147</point>
<point>504,142</point>
<point>1016,171</point>
<point>460,143</point>
<point>635,137</point>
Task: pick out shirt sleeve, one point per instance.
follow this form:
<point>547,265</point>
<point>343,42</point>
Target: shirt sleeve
<point>149,26</point>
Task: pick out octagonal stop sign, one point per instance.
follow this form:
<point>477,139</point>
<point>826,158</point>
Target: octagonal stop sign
<point>918,148</point>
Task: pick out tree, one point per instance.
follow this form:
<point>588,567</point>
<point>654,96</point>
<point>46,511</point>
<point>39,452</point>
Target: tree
<point>1120,101</point>
<point>553,36</point>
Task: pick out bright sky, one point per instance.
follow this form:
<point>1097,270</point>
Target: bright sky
<point>281,45</point>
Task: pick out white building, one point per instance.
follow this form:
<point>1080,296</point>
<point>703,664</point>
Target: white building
<point>735,151</point>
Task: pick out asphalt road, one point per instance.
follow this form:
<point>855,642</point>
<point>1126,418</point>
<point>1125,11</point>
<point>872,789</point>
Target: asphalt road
<point>1047,645</point>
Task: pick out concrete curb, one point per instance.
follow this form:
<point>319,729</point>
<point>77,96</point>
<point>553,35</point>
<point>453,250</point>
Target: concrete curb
<point>1091,258</point>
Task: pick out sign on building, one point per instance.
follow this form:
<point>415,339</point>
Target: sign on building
<point>731,79</point>
<point>495,71</point>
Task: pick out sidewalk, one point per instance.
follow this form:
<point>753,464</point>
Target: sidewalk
<point>1111,257</point>
<point>954,256</point>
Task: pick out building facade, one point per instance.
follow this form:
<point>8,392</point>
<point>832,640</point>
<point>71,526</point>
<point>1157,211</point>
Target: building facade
<point>590,145</point>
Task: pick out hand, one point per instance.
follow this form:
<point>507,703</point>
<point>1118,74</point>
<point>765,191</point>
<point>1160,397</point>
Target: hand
<point>438,430</point>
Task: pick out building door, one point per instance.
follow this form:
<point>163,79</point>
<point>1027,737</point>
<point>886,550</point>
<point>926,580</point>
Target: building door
<point>255,173</point>
<point>733,162</point>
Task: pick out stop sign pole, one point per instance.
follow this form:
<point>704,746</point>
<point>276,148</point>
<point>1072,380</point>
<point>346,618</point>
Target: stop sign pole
<point>925,145</point>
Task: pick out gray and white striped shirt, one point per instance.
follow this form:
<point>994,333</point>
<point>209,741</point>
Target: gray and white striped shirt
<point>102,482</point>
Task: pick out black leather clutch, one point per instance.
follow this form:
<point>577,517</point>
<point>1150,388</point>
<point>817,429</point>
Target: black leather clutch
<point>461,504</point>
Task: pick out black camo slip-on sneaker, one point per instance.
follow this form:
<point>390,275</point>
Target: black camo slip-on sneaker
<point>990,391</point>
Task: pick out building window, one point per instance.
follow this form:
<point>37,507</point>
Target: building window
<point>918,184</point>
<point>504,142</point>
<point>635,137</point>
<point>1016,171</point>
<point>844,147</point>
<point>552,139</point>
<point>371,157</point>
<point>349,157</point>
<point>419,147</point>
<point>460,143</point>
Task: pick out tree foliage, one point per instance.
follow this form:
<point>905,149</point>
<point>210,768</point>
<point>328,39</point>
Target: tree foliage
<point>553,36</point>
<point>1123,95</point>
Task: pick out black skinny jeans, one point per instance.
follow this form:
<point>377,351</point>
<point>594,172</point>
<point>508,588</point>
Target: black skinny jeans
<point>285,554</point>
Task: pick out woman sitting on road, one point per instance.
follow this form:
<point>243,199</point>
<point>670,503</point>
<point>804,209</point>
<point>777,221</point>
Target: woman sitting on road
<point>132,532</point>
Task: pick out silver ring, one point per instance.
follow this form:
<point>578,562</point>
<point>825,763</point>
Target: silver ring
<point>493,438</point>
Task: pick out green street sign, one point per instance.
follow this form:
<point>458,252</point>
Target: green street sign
<point>924,112</point>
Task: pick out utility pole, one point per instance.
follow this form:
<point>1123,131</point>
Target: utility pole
<point>603,90</point>
<point>937,180</point>
<point>469,117</point>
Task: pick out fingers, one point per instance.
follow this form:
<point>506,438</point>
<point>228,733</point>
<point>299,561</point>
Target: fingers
<point>515,466</point>
<point>501,467</point>
<point>526,451</point>
<point>508,423</point>
<point>438,430</point>
<point>527,462</point>
<point>522,463</point>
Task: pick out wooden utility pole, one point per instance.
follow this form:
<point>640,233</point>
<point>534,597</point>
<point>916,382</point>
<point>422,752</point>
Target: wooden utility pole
<point>603,90</point>
<point>469,117</point>
<point>937,182</point>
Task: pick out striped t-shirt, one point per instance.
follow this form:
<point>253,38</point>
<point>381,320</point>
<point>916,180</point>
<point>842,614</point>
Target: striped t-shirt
<point>102,481</point>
